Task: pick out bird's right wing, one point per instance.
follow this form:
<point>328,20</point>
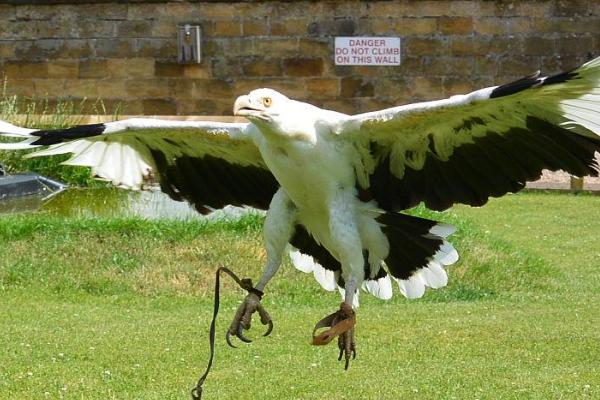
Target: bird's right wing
<point>483,144</point>
<point>209,164</point>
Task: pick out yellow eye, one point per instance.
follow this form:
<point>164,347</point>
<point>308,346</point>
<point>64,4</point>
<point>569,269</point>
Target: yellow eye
<point>267,101</point>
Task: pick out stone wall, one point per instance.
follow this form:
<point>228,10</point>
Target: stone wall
<point>125,52</point>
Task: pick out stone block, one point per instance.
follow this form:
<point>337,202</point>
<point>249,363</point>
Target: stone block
<point>158,48</point>
<point>136,67</point>
<point>255,10</point>
<point>205,107</point>
<point>321,88</point>
<point>25,70</point>
<point>211,88</point>
<point>19,87</point>
<point>112,48</point>
<point>571,8</point>
<point>135,29</point>
<point>356,87</point>
<point>81,88</point>
<point>218,10</point>
<point>226,68</point>
<point>163,29</point>
<point>346,106</point>
<point>391,88</point>
<point>289,27</point>
<point>314,47</point>
<point>77,48</point>
<point>130,107</point>
<point>255,27</point>
<point>303,66</point>
<point>168,69</point>
<point>41,49</point>
<point>238,46</point>
<point>7,50</point>
<point>425,88</point>
<point>414,26</point>
<point>535,45</point>
<point>49,87</point>
<point>519,65</point>
<point>159,106</point>
<point>196,71</point>
<point>296,9</point>
<point>426,46</point>
<point>148,88</point>
<point>113,88</point>
<point>223,28</point>
<point>29,12</point>
<point>8,12</point>
<point>262,67</point>
<point>574,45</point>
<point>452,86</point>
<point>335,27</point>
<point>455,25</point>
<point>93,69</point>
<point>63,69</point>
<point>281,47</point>
<point>144,11</point>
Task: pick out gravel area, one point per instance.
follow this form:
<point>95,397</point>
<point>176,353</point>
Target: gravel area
<point>562,180</point>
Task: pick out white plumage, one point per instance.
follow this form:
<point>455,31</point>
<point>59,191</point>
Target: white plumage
<point>334,184</point>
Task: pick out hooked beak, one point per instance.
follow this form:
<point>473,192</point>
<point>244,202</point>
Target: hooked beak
<point>245,107</point>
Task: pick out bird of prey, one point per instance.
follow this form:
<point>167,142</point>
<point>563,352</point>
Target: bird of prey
<point>335,185</point>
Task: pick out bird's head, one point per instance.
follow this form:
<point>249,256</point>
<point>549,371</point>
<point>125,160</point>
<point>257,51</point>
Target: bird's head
<point>276,115</point>
<point>260,105</point>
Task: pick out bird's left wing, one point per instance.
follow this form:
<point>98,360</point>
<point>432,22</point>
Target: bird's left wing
<point>208,164</point>
<point>467,148</point>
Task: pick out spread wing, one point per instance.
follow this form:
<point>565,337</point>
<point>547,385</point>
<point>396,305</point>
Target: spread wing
<point>467,148</point>
<point>209,164</point>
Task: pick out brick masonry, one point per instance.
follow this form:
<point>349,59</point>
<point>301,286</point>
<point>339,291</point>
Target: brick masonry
<point>125,52</point>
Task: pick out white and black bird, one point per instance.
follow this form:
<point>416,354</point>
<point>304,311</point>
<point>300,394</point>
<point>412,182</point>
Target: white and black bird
<point>334,185</point>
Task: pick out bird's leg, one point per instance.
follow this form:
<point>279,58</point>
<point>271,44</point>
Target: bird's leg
<point>341,324</point>
<point>278,228</point>
<point>349,247</point>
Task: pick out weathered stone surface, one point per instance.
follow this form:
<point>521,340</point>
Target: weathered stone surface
<point>81,88</point>
<point>256,27</point>
<point>131,67</point>
<point>303,66</point>
<point>262,67</point>
<point>93,69</point>
<point>448,47</point>
<point>356,87</point>
<point>148,88</point>
<point>48,87</point>
<point>25,70</point>
<point>63,69</point>
<point>455,25</point>
<point>323,88</point>
<point>159,106</point>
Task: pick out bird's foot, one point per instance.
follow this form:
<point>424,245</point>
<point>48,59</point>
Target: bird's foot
<point>243,319</point>
<point>341,324</point>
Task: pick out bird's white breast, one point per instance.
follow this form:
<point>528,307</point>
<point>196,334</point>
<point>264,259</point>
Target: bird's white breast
<point>310,172</point>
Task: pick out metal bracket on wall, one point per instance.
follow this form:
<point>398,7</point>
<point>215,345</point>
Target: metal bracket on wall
<point>188,44</point>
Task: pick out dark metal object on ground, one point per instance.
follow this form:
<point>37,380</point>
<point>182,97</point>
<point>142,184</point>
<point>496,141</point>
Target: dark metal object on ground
<point>27,184</point>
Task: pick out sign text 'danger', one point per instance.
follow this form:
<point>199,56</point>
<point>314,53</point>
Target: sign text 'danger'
<point>367,51</point>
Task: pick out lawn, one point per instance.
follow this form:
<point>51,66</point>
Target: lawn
<point>120,308</point>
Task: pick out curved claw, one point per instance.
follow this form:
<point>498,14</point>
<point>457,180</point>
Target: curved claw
<point>240,334</point>
<point>228,340</point>
<point>269,328</point>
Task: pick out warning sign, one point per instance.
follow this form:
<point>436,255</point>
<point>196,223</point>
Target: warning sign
<point>367,51</point>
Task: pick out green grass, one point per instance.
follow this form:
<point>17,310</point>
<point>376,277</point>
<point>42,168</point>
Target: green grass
<point>119,308</point>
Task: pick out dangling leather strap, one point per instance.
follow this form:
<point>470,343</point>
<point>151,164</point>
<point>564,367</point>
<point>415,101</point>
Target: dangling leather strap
<point>339,322</point>
<point>245,284</point>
